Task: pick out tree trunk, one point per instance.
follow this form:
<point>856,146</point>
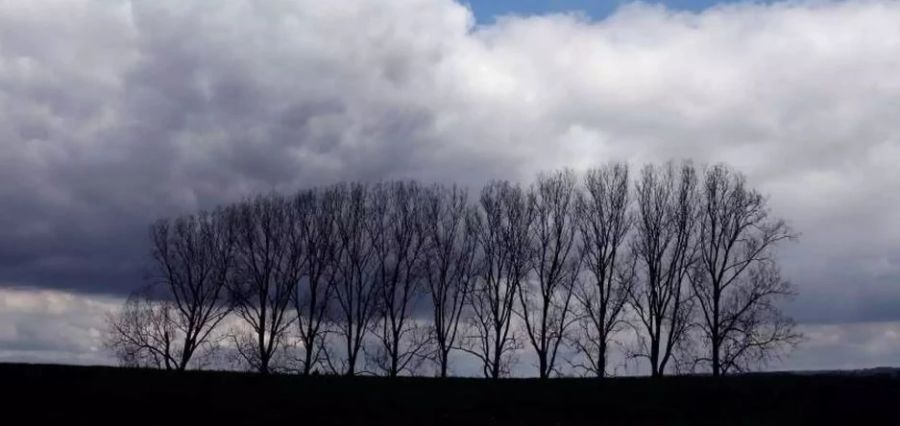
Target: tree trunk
<point>601,359</point>
<point>444,365</point>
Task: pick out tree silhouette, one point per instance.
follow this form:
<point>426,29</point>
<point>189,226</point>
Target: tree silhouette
<point>270,263</point>
<point>604,220</point>
<point>449,264</point>
<point>545,302</point>
<point>170,319</point>
<point>313,295</point>
<point>502,227</point>
<point>735,280</point>
<point>398,245</point>
<point>665,251</point>
<point>355,294</point>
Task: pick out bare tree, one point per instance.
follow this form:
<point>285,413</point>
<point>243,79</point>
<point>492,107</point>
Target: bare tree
<point>143,333</point>
<point>545,302</point>
<point>354,291</point>
<point>172,318</point>
<point>398,244</point>
<point>315,210</point>
<point>503,231</point>
<point>449,263</point>
<point>736,281</point>
<point>664,247</point>
<point>270,263</point>
<point>604,220</point>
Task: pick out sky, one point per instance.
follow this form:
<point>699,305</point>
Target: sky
<point>115,113</point>
<point>487,11</point>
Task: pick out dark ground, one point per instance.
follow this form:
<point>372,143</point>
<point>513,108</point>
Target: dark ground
<point>102,395</point>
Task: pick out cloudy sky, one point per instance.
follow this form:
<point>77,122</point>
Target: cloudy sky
<point>114,113</point>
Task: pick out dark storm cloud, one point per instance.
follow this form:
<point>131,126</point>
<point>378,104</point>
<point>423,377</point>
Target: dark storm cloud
<point>181,107</point>
<point>114,113</point>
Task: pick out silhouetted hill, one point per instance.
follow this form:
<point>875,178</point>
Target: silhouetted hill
<point>875,371</point>
<point>104,395</point>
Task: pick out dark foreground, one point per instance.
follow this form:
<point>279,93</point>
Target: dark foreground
<point>101,395</point>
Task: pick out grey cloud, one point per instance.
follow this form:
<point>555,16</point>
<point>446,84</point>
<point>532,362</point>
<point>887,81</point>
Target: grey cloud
<point>52,326</point>
<point>846,346</point>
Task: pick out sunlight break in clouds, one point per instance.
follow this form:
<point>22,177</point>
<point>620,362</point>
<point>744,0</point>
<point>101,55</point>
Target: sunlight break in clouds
<point>113,113</point>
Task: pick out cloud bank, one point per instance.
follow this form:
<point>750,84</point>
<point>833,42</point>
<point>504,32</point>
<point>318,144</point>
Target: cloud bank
<point>114,113</point>
<point>53,327</point>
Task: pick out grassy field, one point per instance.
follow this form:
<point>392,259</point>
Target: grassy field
<point>102,395</point>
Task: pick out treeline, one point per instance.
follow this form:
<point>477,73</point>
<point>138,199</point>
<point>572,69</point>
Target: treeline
<point>390,278</point>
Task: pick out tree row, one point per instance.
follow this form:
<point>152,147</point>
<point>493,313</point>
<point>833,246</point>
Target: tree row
<point>397,277</point>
